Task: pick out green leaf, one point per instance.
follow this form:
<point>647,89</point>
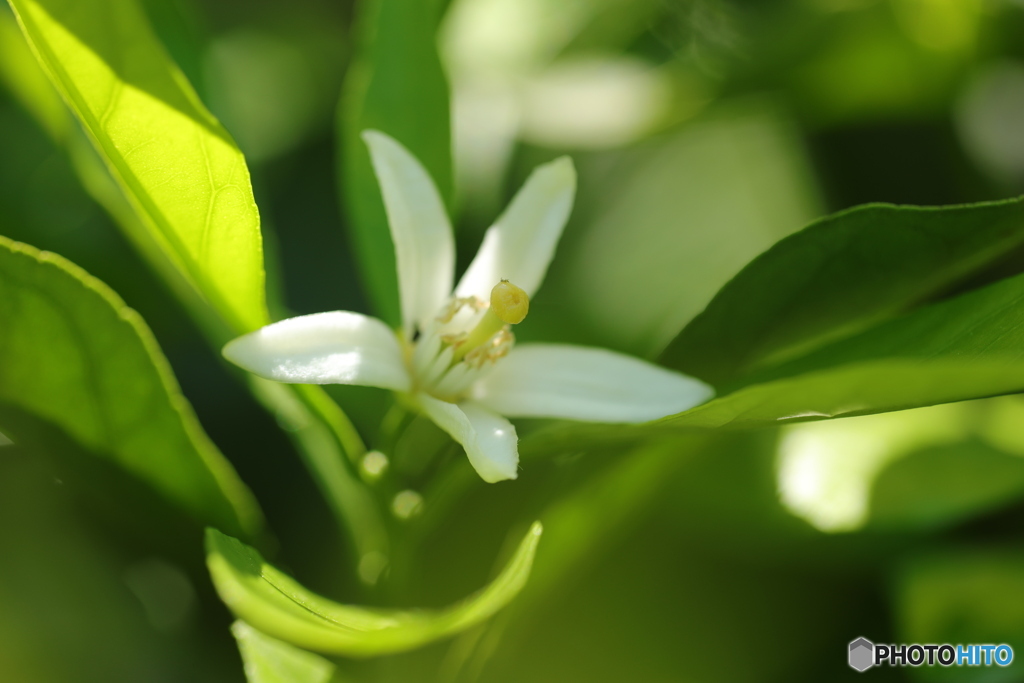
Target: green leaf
<point>941,486</point>
<point>180,169</point>
<point>268,660</point>
<point>395,85</point>
<point>277,605</point>
<point>74,356</point>
<point>312,427</point>
<point>838,277</point>
<point>958,349</point>
<point>27,82</point>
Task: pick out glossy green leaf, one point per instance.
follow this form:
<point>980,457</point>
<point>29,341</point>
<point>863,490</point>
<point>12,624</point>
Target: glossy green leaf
<point>180,169</point>
<point>837,278</point>
<point>961,348</point>
<point>396,85</point>
<point>74,357</point>
<point>268,660</point>
<point>277,605</point>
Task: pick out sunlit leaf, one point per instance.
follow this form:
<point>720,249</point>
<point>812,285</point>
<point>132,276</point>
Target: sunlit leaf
<point>180,169</point>
<point>73,356</point>
<point>268,660</point>
<point>395,85</point>
<point>277,605</point>
<point>29,84</point>
<point>838,277</point>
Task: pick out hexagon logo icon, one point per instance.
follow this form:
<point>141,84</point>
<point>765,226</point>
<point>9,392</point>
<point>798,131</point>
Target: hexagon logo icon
<point>862,654</point>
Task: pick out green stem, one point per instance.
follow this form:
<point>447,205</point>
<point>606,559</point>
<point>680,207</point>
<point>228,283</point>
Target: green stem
<point>321,438</point>
<point>391,426</point>
<point>324,407</point>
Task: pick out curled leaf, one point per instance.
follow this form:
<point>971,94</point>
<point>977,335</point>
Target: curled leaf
<point>280,607</point>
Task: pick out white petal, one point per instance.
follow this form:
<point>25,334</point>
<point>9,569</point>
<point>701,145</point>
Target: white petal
<point>579,383</point>
<point>489,439</point>
<point>521,244</point>
<point>324,348</point>
<point>420,229</point>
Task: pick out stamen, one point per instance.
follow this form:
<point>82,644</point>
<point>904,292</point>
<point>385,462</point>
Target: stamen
<point>455,338</point>
<point>451,308</point>
<point>455,305</point>
<point>497,347</point>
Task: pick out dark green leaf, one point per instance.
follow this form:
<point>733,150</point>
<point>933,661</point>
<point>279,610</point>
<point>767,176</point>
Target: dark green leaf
<point>838,277</point>
<point>74,356</point>
<point>962,348</point>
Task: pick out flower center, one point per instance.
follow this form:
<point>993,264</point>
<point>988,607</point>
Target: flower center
<point>464,342</point>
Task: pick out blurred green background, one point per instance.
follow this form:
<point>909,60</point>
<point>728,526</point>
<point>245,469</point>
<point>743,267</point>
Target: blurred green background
<point>703,131</point>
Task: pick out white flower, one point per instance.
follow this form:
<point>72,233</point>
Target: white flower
<point>455,357</point>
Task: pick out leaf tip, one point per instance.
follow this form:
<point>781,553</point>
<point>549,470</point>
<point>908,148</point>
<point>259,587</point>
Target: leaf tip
<point>212,538</point>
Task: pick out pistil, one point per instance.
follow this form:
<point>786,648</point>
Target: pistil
<point>509,306</point>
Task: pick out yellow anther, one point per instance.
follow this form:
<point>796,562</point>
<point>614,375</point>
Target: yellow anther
<point>509,303</point>
<point>493,350</point>
<point>455,338</point>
